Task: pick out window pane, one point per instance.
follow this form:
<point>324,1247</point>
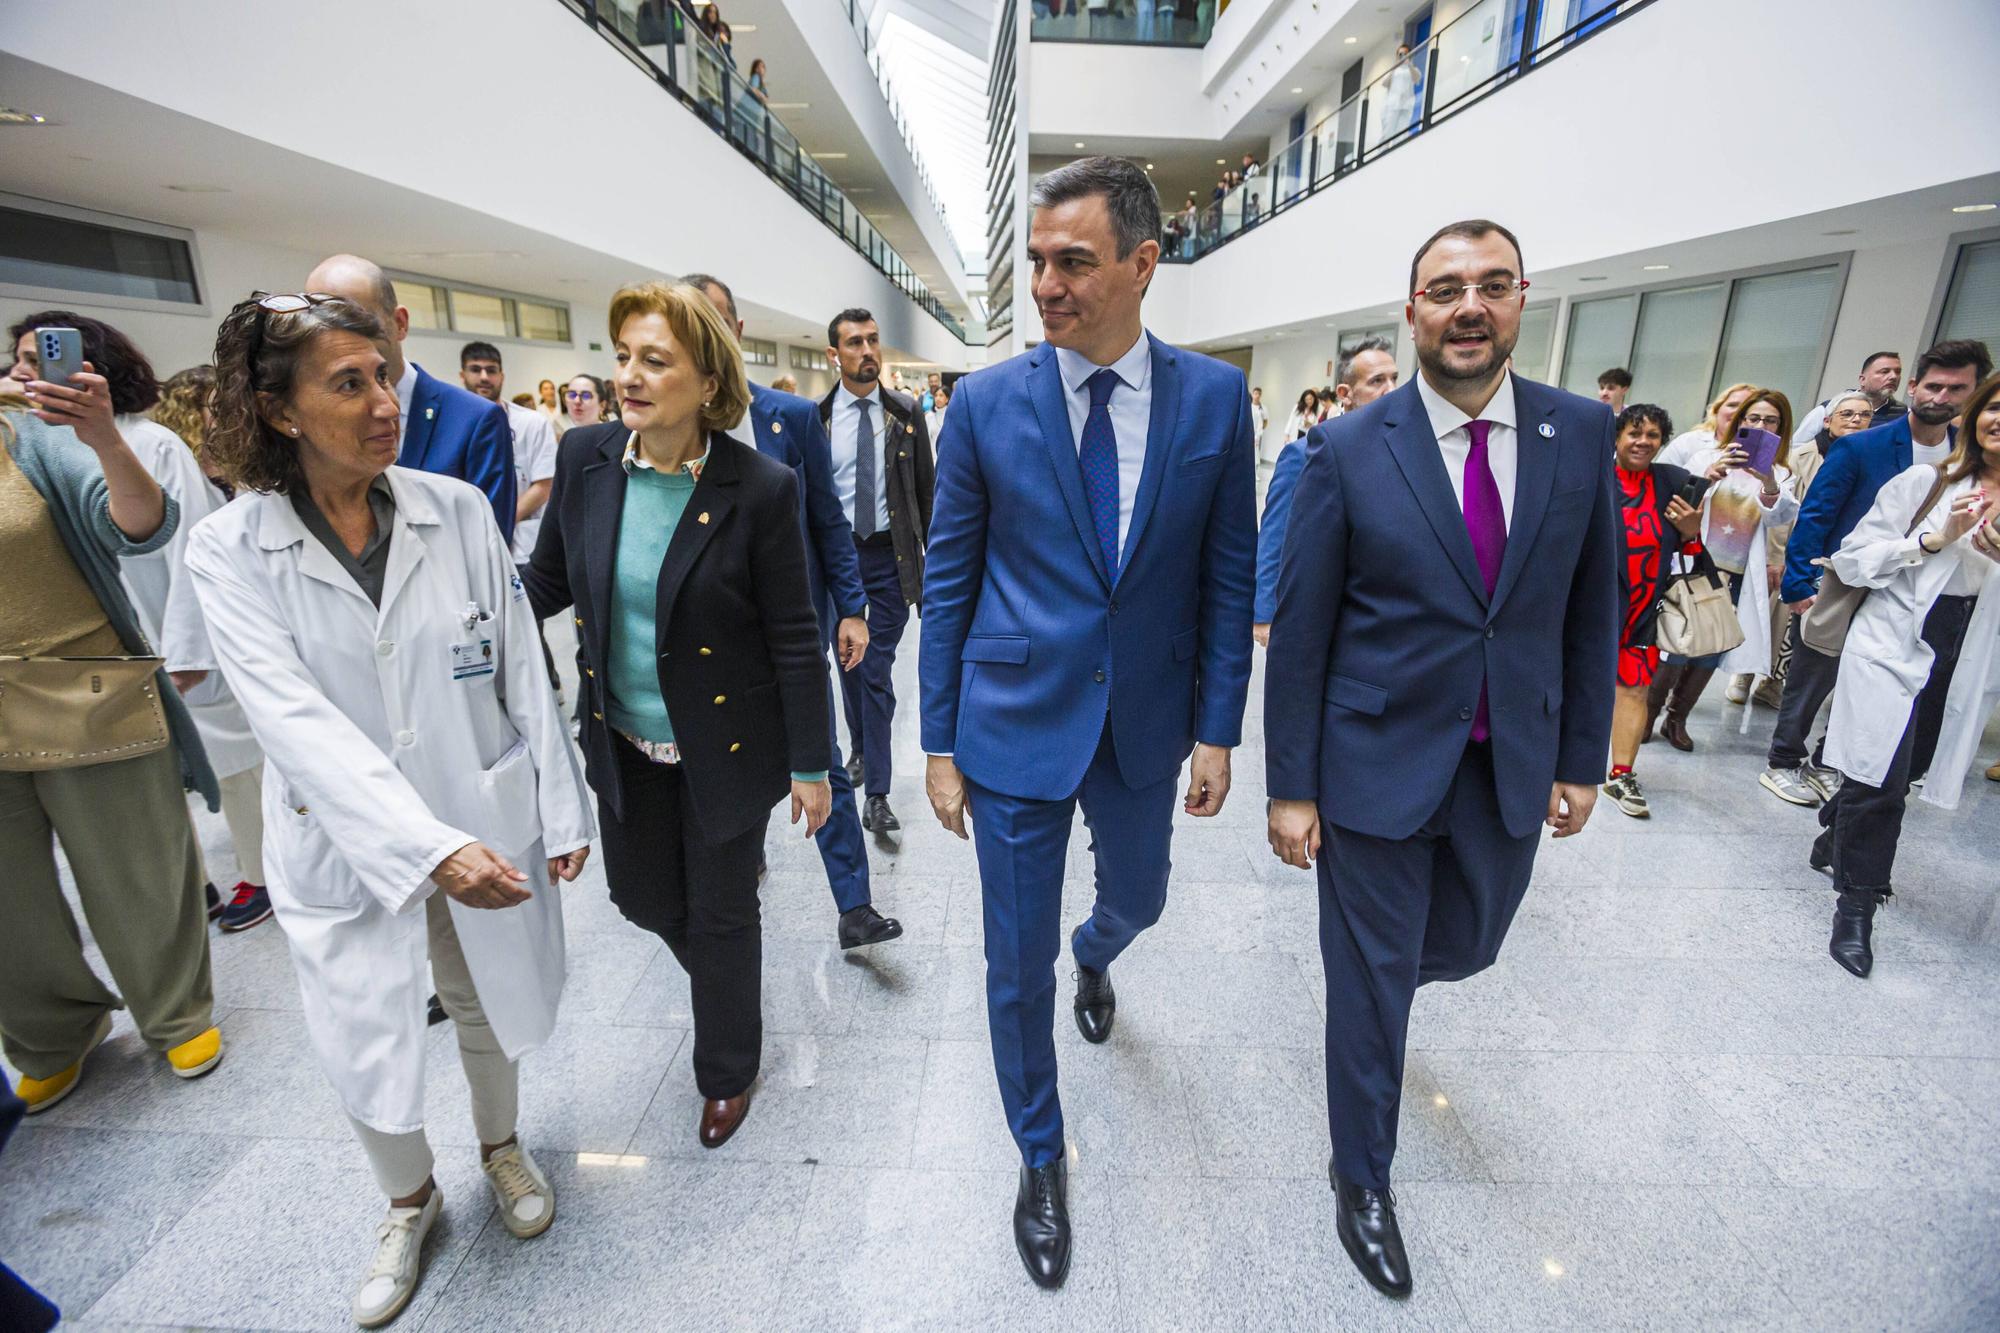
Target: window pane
<point>37,250</point>
<point>543,323</point>
<point>424,302</point>
<point>475,312</point>
<point>1972,308</point>
<point>1600,337</point>
<point>1776,326</point>
<point>1675,342</point>
<point>1537,340</point>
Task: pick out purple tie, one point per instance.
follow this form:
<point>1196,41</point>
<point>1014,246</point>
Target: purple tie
<point>1486,524</point>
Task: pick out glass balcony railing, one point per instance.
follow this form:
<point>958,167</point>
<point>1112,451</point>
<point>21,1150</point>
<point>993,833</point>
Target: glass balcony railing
<point>1477,53</point>
<point>663,39</point>
<point>857,20</point>
<point>1130,22</point>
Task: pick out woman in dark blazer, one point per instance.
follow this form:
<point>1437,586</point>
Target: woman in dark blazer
<point>1658,519</point>
<point>704,687</point>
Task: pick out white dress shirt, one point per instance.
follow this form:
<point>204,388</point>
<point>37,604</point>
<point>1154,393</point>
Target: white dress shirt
<point>1455,441</point>
<point>843,427</point>
<point>1131,408</point>
<point>406,389</point>
<point>534,460</point>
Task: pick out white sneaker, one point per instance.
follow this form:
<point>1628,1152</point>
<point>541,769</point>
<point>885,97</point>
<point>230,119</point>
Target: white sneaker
<point>1739,688</point>
<point>527,1203</point>
<point>398,1264</point>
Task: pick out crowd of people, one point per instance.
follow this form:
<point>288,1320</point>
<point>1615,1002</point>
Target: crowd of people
<point>309,588</point>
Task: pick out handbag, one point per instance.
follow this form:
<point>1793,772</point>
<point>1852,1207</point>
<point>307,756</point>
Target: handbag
<point>66,712</point>
<point>1824,626</point>
<point>1696,617</point>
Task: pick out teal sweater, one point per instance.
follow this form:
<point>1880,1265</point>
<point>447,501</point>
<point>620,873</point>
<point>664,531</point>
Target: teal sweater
<point>655,503</point>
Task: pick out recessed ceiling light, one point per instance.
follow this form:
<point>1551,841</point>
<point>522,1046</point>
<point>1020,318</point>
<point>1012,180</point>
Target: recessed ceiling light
<point>1975,208</point>
<point>13,116</point>
<point>1595,278</point>
<point>1149,166</point>
<point>1079,143</point>
<point>1844,231</point>
<point>789,106</point>
<point>826,157</point>
<point>1350,41</point>
<point>1297,91</point>
<point>199,189</point>
<point>735,28</point>
<point>1656,268</point>
<point>1221,161</point>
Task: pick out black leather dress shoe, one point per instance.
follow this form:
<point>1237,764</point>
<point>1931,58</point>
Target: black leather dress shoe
<point>1041,1223</point>
<point>1096,1002</point>
<point>434,1013</point>
<point>1366,1222</point>
<point>877,817</point>
<point>854,770</point>
<point>865,925</point>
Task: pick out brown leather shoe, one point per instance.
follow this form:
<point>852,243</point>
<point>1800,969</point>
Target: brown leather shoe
<point>1993,773</point>
<point>719,1119</point>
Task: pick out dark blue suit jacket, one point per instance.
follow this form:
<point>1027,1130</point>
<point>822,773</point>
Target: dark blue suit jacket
<point>787,427</point>
<point>1841,494</point>
<point>1384,631</point>
<point>1271,533</point>
<point>455,432</point>
<point>1026,643</point>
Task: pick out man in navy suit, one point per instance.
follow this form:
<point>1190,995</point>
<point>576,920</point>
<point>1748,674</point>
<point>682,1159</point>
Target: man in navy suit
<point>1439,682</point>
<point>787,428</point>
<point>1841,494</point>
<point>446,429</point>
<point>1086,627</point>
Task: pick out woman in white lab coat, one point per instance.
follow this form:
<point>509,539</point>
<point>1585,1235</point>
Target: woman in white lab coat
<point>1908,635</point>
<point>1738,513</point>
<point>369,620</point>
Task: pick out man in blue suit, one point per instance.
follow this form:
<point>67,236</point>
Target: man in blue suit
<point>1366,371</point>
<point>1439,683</point>
<point>787,428</point>
<point>1086,627</point>
<point>1841,494</point>
<point>446,429</point>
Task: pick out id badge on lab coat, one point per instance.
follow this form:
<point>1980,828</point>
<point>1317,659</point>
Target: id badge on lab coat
<point>472,651</point>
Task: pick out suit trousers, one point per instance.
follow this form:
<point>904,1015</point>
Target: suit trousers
<point>1394,914</point>
<point>1023,848</point>
<point>869,691</point>
<point>699,896</point>
<point>841,849</point>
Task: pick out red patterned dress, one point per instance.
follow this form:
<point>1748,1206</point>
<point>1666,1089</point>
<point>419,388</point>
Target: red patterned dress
<point>1645,548</point>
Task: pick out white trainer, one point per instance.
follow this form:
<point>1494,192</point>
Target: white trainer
<point>1739,688</point>
<point>526,1201</point>
<point>398,1264</point>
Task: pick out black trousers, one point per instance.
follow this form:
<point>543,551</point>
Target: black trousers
<point>1808,684</point>
<point>1395,914</point>
<point>1864,824</point>
<point>701,898</point>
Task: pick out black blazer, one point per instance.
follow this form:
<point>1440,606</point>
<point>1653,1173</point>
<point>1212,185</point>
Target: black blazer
<point>741,667</point>
<point>911,469</point>
<point>1668,481</point>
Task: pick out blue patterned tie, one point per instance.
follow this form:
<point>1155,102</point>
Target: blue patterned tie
<point>1099,456</point>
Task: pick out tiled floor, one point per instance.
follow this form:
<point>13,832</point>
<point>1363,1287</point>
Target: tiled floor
<point>1665,1107</point>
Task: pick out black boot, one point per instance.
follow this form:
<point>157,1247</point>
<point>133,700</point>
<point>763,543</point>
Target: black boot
<point>1041,1222</point>
<point>1686,693</point>
<point>1365,1220</point>
<point>1656,696</point>
<point>1854,931</point>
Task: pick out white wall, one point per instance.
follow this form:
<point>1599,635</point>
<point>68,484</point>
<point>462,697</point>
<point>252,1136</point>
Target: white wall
<point>1085,90</point>
<point>682,198</point>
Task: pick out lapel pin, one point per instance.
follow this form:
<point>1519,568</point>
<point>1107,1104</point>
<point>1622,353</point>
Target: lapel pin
<point>702,517</point>
<point>777,427</point>
<point>429,413</point>
<point>1548,431</point>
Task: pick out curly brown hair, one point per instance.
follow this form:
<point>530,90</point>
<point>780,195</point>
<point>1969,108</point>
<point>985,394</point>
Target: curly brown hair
<point>134,387</point>
<point>257,356</point>
<point>184,397</point>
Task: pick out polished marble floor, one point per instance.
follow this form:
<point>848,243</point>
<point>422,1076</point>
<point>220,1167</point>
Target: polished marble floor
<point>1664,1108</point>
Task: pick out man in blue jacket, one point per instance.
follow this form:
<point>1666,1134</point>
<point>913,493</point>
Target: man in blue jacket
<point>788,428</point>
<point>1367,370</point>
<point>1086,627</point>
<point>446,429</point>
<point>1841,494</point>
<point>1439,683</point>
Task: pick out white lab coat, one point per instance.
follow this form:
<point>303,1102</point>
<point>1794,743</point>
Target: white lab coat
<point>381,764</point>
<point>157,583</point>
<point>1753,604</point>
<point>1885,661</point>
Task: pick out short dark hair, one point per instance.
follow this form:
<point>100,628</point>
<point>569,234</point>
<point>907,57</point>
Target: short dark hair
<point>702,281</point>
<point>134,386</point>
<point>1873,357</point>
<point>1639,413</point>
<point>1345,366</point>
<point>1955,354</point>
<point>854,314</point>
<point>1471,229</point>
<point>1615,378</point>
<point>1127,192</point>
<point>479,351</point>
